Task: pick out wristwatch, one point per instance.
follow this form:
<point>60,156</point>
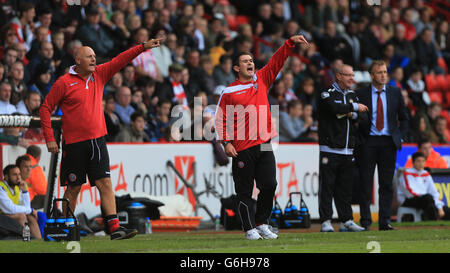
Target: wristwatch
<point>225,143</point>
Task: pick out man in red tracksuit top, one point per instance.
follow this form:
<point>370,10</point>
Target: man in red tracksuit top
<point>79,94</point>
<point>243,125</point>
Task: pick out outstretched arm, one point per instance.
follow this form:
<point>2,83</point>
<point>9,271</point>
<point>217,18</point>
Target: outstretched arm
<point>269,72</point>
<point>107,70</point>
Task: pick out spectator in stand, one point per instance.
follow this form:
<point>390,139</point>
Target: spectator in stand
<point>306,93</point>
<point>134,132</point>
<point>396,77</point>
<point>45,54</point>
<point>119,30</point>
<point>172,88</point>
<point>9,57</point>
<point>195,71</point>
<point>439,134</point>
<point>416,189</point>
<point>95,35</point>
<point>41,36</point>
<point>137,101</point>
<point>407,20</point>
<point>329,75</point>
<point>58,47</point>
<point>419,129</point>
<point>443,40</point>
<point>277,95</point>
<point>8,39</point>
<point>21,53</point>
<point>37,182</point>
<point>186,29</point>
<point>206,71</point>
<point>433,159</point>
<point>189,88</point>
<point>416,88</point>
<point>30,104</point>
<point>15,200</point>
<point>424,20</point>
<point>386,27</point>
<point>24,25</point>
<point>433,111</point>
<point>160,121</point>
<point>42,79</point>
<point>148,19</point>
<point>162,54</point>
<point>5,94</point>
<point>133,22</point>
<point>402,47</point>
<point>113,86</point>
<point>122,105</point>
<point>145,63</point>
<point>426,55</point>
<point>18,86</point>
<point>112,120</point>
<point>291,124</point>
<point>215,33</point>
<point>288,78</point>
<point>68,59</point>
<point>178,53</point>
<point>129,76</point>
<point>332,45</point>
<point>318,13</point>
<point>223,73</point>
<point>147,85</point>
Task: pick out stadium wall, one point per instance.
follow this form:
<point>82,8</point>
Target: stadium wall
<point>142,168</point>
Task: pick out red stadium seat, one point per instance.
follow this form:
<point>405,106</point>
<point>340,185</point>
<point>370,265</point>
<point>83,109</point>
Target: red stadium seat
<point>430,83</point>
<point>447,100</point>
<point>440,80</point>
<point>436,96</point>
<point>447,80</point>
<point>441,63</point>
<point>446,115</point>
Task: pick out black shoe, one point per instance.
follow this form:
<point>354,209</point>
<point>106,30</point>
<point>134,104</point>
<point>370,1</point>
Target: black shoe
<point>123,233</point>
<point>366,228</point>
<point>386,227</point>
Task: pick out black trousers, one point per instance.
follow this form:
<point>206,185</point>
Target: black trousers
<point>378,151</point>
<point>335,181</point>
<point>426,203</point>
<point>254,165</point>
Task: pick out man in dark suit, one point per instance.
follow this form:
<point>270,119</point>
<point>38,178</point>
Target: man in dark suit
<point>383,135</point>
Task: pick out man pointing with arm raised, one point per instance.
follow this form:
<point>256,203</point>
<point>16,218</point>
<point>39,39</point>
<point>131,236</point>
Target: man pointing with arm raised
<point>79,94</point>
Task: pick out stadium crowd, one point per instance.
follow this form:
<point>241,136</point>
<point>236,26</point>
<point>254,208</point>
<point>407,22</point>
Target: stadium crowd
<point>39,40</point>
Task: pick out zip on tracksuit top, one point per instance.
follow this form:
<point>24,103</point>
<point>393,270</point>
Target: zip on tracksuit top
<point>247,122</point>
<point>81,100</point>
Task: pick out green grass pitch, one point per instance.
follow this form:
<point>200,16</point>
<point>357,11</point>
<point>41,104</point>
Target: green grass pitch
<point>422,237</point>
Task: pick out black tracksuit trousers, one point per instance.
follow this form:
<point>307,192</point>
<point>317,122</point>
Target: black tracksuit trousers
<point>254,165</point>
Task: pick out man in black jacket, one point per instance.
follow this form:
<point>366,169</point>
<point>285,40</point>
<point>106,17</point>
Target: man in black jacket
<point>383,133</point>
<point>339,111</point>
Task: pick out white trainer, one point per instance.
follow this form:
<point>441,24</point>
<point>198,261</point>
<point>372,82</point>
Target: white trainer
<point>327,227</point>
<point>253,234</point>
<point>265,232</point>
<point>350,226</point>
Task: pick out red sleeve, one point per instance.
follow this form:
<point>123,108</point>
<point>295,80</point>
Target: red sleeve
<point>221,119</point>
<point>107,70</point>
<point>53,99</point>
<point>270,71</point>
